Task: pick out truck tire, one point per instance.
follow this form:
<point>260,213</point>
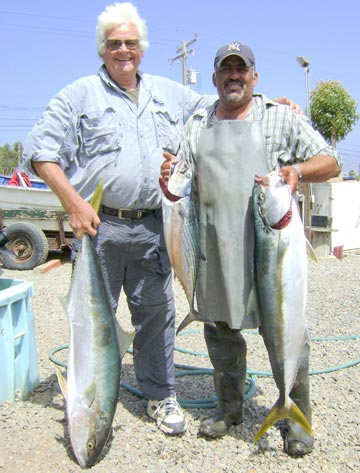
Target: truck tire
<point>28,247</point>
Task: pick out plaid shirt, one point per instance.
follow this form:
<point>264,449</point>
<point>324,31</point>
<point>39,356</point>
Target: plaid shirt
<point>288,136</point>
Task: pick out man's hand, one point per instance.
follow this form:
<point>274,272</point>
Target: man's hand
<point>83,219</point>
<point>290,176</point>
<point>165,169</point>
<point>288,173</point>
<point>165,173</point>
<point>292,105</point>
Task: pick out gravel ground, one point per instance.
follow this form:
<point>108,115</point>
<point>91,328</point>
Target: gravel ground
<point>33,433</point>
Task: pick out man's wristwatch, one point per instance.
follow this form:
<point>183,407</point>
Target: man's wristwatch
<point>298,170</point>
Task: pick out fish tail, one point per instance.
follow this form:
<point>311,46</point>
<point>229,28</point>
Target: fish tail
<point>193,316</point>
<point>62,383</point>
<point>280,411</point>
<point>298,416</point>
<point>310,251</point>
<point>97,196</point>
<point>125,339</point>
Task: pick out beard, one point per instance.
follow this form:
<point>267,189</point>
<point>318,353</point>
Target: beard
<point>233,97</point>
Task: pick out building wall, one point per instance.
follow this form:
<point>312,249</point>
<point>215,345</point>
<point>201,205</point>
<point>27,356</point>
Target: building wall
<point>339,201</point>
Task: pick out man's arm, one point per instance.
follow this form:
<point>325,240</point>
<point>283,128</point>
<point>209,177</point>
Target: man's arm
<point>82,217</point>
<point>319,168</point>
<point>286,101</point>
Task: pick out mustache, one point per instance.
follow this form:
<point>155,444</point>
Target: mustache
<point>236,82</point>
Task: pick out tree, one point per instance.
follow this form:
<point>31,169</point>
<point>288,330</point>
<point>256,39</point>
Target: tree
<point>10,158</point>
<point>333,111</point>
<point>353,174</point>
<point>18,149</point>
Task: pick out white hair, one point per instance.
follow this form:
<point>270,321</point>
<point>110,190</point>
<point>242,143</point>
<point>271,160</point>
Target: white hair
<point>115,15</point>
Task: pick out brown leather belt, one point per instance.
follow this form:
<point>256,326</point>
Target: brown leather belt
<point>128,214</point>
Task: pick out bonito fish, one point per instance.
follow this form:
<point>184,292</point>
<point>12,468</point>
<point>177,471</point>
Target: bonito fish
<point>181,231</point>
<point>281,280</point>
<point>96,347</point>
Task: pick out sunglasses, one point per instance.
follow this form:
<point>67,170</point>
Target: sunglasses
<point>115,44</point>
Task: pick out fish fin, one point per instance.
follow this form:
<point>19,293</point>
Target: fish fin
<point>64,302</point>
<point>278,412</point>
<point>125,339</point>
<point>96,198</point>
<point>252,305</point>
<point>90,394</point>
<point>310,251</point>
<point>193,316</point>
<point>62,382</point>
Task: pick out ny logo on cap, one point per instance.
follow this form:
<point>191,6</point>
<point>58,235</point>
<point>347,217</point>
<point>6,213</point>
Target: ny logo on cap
<point>234,46</point>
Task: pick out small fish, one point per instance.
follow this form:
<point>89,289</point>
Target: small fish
<point>281,283</point>
<point>181,231</point>
<point>96,347</point>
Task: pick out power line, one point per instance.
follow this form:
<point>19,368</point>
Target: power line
<point>344,153</point>
<point>17,119</point>
<point>349,144</point>
<point>11,107</point>
<point>37,15</point>
<point>53,30</point>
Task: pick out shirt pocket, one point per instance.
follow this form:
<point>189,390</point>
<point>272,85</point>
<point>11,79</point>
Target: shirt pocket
<point>277,151</point>
<point>101,132</point>
<point>168,126</point>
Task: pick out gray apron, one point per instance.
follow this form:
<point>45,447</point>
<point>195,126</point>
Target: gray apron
<point>229,154</point>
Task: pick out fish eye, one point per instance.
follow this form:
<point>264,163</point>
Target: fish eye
<point>261,196</point>
<point>91,445</point>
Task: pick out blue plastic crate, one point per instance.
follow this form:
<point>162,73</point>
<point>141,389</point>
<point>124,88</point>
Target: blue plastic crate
<point>19,372</point>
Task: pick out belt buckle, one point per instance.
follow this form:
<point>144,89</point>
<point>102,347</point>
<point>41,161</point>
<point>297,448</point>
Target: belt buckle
<point>138,214</point>
<point>120,212</point>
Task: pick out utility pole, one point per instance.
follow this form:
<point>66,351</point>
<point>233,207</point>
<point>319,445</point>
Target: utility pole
<point>183,54</point>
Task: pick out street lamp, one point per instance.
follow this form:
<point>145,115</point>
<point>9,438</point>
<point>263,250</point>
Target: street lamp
<point>307,188</point>
<point>305,63</point>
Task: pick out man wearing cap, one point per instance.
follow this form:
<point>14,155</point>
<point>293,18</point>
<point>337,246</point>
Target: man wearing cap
<point>242,135</point>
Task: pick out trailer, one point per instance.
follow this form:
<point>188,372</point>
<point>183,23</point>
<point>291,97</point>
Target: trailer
<point>34,222</point>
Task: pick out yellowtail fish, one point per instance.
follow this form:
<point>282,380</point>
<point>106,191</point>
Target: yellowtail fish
<point>96,347</point>
<point>181,231</point>
<point>281,282</point>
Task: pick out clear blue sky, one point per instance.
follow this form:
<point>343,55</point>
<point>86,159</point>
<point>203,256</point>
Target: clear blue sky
<point>46,44</point>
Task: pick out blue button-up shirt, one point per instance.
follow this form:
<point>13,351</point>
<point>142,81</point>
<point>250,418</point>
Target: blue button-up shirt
<point>93,130</point>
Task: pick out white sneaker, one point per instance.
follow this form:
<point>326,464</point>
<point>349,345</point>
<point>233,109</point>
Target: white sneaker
<point>168,415</point>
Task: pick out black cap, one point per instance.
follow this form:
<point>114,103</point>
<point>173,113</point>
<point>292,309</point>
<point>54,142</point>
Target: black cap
<point>235,48</point>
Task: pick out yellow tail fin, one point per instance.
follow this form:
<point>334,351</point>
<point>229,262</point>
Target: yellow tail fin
<point>62,382</point>
<point>280,411</point>
<point>97,196</point>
